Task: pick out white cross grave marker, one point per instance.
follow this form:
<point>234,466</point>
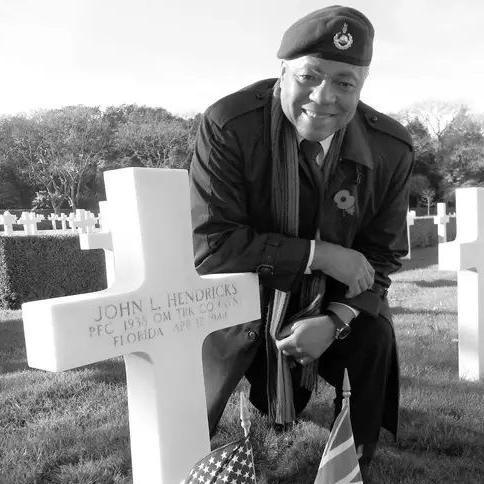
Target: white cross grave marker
<point>103,216</point>
<point>466,255</point>
<point>156,314</point>
<point>29,221</point>
<point>411,214</point>
<point>80,221</point>
<point>91,222</point>
<point>72,221</point>
<point>7,220</point>
<point>53,217</point>
<point>102,240</point>
<point>63,220</point>
<point>441,219</point>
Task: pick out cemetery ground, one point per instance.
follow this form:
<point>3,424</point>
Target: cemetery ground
<point>72,427</point>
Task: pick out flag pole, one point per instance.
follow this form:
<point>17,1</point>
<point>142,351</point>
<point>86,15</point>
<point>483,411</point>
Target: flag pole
<point>245,423</point>
<point>339,462</point>
<point>346,388</point>
<point>244,414</point>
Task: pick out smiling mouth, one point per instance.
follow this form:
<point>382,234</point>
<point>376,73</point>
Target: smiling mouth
<point>315,115</point>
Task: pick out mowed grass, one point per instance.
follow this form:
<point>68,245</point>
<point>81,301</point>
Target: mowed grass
<point>72,427</point>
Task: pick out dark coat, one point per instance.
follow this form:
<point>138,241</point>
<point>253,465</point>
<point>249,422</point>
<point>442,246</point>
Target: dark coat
<point>233,230</point>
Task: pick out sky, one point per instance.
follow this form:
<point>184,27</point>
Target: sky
<point>183,55</point>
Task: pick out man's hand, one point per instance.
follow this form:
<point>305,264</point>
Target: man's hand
<point>345,265</point>
<point>307,339</point>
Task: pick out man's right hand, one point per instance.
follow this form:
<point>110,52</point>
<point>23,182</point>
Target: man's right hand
<point>345,265</point>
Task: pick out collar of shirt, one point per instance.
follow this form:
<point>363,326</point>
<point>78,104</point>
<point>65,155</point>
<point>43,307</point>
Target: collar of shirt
<point>325,143</point>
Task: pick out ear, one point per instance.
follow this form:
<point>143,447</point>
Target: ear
<point>283,70</point>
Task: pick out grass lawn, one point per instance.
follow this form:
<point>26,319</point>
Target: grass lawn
<point>72,427</point>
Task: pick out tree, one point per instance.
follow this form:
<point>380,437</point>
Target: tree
<point>425,152</point>
<point>418,183</point>
<point>448,144</point>
<point>9,195</point>
<point>15,191</point>
<point>428,197</point>
<point>85,141</point>
<point>461,155</point>
<point>435,115</point>
<point>193,126</point>
<point>153,138</point>
<point>30,147</point>
<point>58,149</point>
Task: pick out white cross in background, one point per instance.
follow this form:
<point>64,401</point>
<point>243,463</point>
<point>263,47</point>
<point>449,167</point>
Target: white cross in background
<point>156,314</point>
<point>91,222</point>
<point>53,217</point>
<point>104,216</point>
<point>63,220</point>
<point>102,240</point>
<point>466,255</point>
<point>441,219</point>
<point>411,214</point>
<point>79,221</point>
<point>29,221</point>
<point>7,220</point>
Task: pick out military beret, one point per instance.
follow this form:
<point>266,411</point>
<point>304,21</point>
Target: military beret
<point>334,33</point>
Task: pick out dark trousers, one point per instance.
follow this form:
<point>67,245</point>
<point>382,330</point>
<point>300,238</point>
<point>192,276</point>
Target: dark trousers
<point>369,354</point>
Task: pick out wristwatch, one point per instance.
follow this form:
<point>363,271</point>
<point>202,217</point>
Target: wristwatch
<point>342,329</point>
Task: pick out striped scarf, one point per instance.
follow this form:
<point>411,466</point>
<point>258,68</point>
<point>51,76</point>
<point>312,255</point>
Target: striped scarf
<point>285,214</point>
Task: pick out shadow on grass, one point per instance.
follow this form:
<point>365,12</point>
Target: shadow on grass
<point>442,434</point>
<point>12,347</point>
<point>452,386</point>
<point>13,357</point>
<point>422,312</point>
<point>436,283</point>
<point>320,409</point>
<point>421,258</point>
<point>109,371</point>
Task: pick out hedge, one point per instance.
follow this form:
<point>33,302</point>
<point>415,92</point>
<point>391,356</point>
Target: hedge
<point>45,266</point>
<point>424,232</point>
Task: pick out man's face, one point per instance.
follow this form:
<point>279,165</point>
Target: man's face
<point>320,96</point>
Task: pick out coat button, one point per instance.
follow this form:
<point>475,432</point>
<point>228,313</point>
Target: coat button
<point>252,335</point>
<point>374,119</point>
<point>259,95</point>
<point>265,270</point>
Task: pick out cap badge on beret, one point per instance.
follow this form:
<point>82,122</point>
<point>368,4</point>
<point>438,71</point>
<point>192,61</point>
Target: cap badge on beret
<point>343,40</point>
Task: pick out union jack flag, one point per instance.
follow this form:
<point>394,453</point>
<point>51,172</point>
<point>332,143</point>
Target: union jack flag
<point>339,464</point>
<point>230,464</point>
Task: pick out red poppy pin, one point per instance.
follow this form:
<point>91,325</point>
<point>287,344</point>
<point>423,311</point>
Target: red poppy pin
<point>345,201</point>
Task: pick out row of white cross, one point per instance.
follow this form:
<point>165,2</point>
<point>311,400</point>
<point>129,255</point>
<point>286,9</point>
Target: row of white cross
<point>84,221</point>
<point>81,221</point>
<point>441,220</point>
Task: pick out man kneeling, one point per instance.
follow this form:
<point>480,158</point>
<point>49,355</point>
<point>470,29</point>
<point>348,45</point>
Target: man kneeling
<point>296,179</point>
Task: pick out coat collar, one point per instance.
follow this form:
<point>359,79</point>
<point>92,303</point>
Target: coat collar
<point>355,144</point>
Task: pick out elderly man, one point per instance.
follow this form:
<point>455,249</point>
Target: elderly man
<point>299,181</point>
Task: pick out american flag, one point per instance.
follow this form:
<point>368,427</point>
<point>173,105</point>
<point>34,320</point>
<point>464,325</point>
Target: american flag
<point>231,464</point>
<point>339,463</point>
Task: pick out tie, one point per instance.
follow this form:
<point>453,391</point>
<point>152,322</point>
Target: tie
<point>311,150</point>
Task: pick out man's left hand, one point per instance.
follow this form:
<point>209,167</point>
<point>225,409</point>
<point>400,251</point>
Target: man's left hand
<point>307,339</point>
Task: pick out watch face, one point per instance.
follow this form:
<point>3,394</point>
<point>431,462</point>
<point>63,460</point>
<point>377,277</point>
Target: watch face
<point>343,332</point>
